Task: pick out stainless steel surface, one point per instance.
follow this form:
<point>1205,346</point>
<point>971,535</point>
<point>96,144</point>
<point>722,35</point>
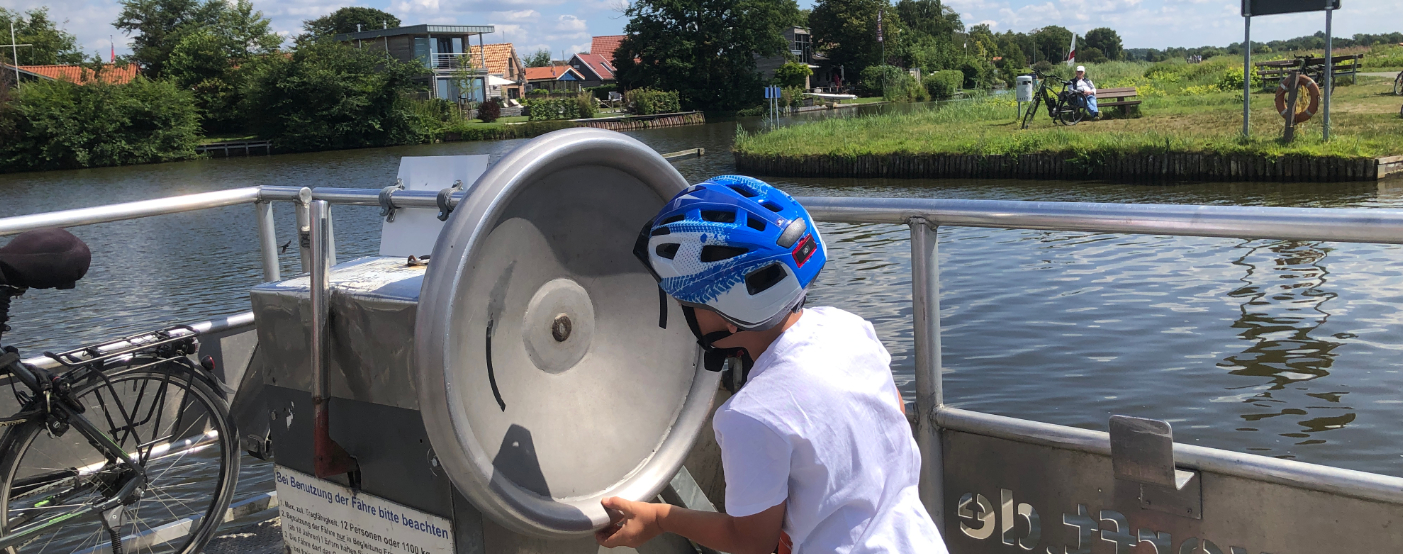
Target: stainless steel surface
<point>1343,225</point>
<point>371,332</point>
<point>318,347</point>
<point>1080,507</point>
<point>302,207</point>
<point>267,240</point>
<point>1311,477</point>
<point>1142,450</point>
<point>130,210</point>
<point>925,307</point>
<point>565,206</point>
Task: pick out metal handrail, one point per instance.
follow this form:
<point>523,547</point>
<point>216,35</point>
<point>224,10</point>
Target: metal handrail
<point>923,216</point>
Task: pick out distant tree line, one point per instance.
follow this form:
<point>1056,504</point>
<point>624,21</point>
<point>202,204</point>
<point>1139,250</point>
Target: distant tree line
<point>1308,42</point>
<point>211,67</point>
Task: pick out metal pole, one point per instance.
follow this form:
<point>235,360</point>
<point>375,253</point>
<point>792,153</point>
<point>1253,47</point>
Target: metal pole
<point>1246,74</point>
<point>328,458</point>
<point>1329,67</point>
<point>925,304</point>
<point>267,240</point>
<point>14,52</point>
<point>304,228</point>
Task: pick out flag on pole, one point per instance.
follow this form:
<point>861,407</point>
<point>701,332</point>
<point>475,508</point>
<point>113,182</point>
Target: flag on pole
<point>112,59</point>
<point>1072,51</point>
<point>879,24</point>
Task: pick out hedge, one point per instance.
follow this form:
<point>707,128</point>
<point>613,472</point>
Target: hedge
<point>942,84</point>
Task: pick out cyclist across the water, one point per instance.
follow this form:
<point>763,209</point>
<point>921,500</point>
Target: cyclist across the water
<point>817,453</point>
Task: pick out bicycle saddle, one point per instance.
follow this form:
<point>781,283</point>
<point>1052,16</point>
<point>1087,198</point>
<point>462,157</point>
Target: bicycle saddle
<point>44,259</point>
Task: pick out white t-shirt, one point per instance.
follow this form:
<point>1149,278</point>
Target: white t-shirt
<point>819,425</point>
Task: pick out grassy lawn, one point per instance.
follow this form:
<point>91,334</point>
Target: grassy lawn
<point>1364,123</point>
<point>871,100</point>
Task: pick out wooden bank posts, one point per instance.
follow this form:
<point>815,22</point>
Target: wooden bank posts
<point>1292,90</point>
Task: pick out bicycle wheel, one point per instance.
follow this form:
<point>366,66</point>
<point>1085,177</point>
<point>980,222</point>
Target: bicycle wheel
<point>1398,84</point>
<point>1070,115</point>
<point>1032,109</point>
<point>169,421</point>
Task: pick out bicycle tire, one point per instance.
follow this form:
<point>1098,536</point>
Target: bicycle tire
<point>1398,84</point>
<point>1032,109</point>
<point>1070,115</point>
<point>207,480</point>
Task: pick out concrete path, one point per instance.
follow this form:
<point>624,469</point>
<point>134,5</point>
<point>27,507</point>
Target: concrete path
<point>1379,73</point>
<point>262,538</point>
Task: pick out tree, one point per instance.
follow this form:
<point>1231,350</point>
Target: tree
<point>539,58</point>
<point>346,20</point>
<point>1107,41</point>
<point>1052,42</point>
<point>158,26</point>
<point>846,31</point>
<point>793,74</point>
<point>328,95</point>
<point>703,49</point>
<point>51,45</point>
<point>928,39</point>
<point>1091,54</point>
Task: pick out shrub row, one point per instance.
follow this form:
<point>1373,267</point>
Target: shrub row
<point>942,85</point>
<point>646,101</point>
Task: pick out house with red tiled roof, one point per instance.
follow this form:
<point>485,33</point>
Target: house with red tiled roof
<point>110,73</point>
<point>605,46</point>
<point>595,68</point>
<point>503,63</point>
<point>554,77</point>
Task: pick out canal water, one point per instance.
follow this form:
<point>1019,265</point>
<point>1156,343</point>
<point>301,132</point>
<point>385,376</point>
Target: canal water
<point>1281,348</point>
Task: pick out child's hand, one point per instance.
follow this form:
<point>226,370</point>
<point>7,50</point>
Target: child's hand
<point>634,523</point>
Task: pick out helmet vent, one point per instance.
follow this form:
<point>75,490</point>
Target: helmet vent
<point>716,253</point>
<point>718,216</point>
<point>668,251</point>
<point>754,222</point>
<point>660,231</point>
<point>743,191</point>
<point>762,279</point>
<point>673,219</point>
<point>772,206</point>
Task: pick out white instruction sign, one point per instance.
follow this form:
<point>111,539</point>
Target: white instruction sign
<point>321,517</point>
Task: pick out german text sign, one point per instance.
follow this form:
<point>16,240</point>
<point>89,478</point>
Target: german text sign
<point>321,517</point>
<point>1273,7</point>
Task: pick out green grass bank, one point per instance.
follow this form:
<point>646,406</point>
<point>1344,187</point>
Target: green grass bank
<point>1188,127</point>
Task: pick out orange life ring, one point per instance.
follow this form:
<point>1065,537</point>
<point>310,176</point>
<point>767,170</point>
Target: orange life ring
<point>1303,84</point>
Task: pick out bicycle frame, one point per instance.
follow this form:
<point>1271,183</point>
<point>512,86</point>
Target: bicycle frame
<point>60,408</point>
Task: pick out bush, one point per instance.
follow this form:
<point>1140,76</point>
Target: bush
<point>646,101</point>
<point>545,109</point>
<point>875,79</point>
<point>61,125</point>
<point>791,96</point>
<point>942,84</point>
<point>900,86</point>
<point>329,95</point>
<point>793,74</point>
<point>539,92</point>
<point>489,110</point>
<point>1044,67</point>
<point>1232,80</point>
<point>977,72</point>
<point>584,105</point>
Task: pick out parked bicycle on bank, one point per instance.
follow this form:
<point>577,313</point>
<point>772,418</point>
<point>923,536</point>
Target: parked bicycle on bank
<point>1063,107</point>
<point>125,447</point>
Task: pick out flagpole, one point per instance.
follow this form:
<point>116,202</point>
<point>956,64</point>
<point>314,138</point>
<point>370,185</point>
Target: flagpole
<point>14,52</point>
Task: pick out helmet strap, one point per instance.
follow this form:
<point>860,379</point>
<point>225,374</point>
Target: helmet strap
<point>713,358</point>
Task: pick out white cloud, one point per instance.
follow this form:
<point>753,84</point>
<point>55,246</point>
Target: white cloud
<point>570,23</point>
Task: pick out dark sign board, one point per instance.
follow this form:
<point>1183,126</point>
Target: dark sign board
<point>1273,7</point>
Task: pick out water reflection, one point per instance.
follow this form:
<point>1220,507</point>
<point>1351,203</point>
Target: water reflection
<point>1283,306</point>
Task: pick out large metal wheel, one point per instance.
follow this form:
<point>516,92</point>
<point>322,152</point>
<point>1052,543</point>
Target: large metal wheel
<point>544,378</point>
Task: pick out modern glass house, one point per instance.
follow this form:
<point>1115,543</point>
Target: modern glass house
<point>446,49</point>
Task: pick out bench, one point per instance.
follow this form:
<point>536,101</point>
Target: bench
<point>1274,71</point>
<point>1118,98</point>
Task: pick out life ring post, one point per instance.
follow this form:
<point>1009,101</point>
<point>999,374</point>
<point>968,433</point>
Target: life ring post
<point>1294,89</point>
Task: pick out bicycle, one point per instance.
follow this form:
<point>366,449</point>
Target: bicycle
<point>1398,84</point>
<point>1061,108</point>
<point>126,446</point>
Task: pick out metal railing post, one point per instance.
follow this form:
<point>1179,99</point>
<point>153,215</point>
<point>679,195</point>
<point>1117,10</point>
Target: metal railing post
<point>328,457</point>
<point>267,240</point>
<point>304,227</point>
<point>925,303</point>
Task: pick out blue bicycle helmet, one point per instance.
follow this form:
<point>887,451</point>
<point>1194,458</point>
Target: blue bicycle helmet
<point>737,246</point>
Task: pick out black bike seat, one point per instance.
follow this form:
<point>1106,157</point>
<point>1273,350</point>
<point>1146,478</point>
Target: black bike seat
<point>44,259</point>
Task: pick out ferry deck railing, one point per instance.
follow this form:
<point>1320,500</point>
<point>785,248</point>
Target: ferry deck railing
<point>924,217</point>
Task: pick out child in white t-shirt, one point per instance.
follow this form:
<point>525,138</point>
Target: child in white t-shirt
<point>817,453</point>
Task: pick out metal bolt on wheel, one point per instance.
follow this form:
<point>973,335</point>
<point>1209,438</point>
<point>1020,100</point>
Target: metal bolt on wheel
<point>172,424</point>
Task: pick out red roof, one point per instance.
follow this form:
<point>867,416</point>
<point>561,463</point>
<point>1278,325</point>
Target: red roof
<point>601,66</point>
<point>605,46</point>
<point>78,74</point>
<point>551,73</point>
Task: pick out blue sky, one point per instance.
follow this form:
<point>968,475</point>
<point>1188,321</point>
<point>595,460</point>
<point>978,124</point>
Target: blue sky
<point>567,25</point>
